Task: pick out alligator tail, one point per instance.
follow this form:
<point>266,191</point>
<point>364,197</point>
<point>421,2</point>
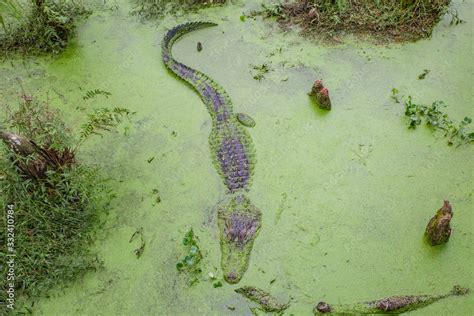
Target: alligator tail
<point>213,96</point>
<point>175,33</point>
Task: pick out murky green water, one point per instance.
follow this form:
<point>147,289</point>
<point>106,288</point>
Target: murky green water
<point>345,195</point>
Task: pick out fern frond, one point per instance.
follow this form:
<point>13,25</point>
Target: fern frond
<point>93,93</point>
<point>103,119</point>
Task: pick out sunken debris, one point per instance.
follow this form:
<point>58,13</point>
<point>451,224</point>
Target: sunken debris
<point>267,302</point>
<point>320,94</point>
<point>438,229</point>
<point>138,251</point>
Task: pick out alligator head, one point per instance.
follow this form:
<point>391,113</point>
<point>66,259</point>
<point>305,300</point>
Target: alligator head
<point>239,223</point>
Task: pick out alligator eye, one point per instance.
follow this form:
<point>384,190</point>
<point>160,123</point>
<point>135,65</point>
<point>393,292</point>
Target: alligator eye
<point>323,307</point>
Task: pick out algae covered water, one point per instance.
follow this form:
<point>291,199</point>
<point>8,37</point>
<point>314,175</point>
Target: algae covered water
<point>345,195</point>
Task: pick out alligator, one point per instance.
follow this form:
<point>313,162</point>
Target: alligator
<point>389,305</point>
<point>233,155</point>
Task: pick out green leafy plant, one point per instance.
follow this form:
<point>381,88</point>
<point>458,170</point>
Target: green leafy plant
<point>211,277</point>
<point>103,119</point>
<point>9,8</point>
<point>191,263</point>
<point>45,26</point>
<point>434,117</point>
<point>58,202</point>
<point>55,222</point>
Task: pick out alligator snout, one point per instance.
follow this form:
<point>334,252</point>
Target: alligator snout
<point>232,277</point>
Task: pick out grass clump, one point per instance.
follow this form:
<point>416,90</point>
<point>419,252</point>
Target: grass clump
<point>57,202</point>
<point>39,26</point>
<point>433,116</point>
<point>152,9</point>
<point>395,20</point>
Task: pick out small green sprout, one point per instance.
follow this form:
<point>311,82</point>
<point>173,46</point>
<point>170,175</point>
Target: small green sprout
<point>395,95</point>
<point>261,70</point>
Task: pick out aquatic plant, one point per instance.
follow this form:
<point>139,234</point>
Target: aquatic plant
<point>211,277</point>
<point>434,117</point>
<point>260,71</point>
<point>191,263</point>
<point>423,74</point>
<point>385,19</point>
<point>42,26</point>
<point>103,119</point>
<point>57,202</point>
<point>152,9</point>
